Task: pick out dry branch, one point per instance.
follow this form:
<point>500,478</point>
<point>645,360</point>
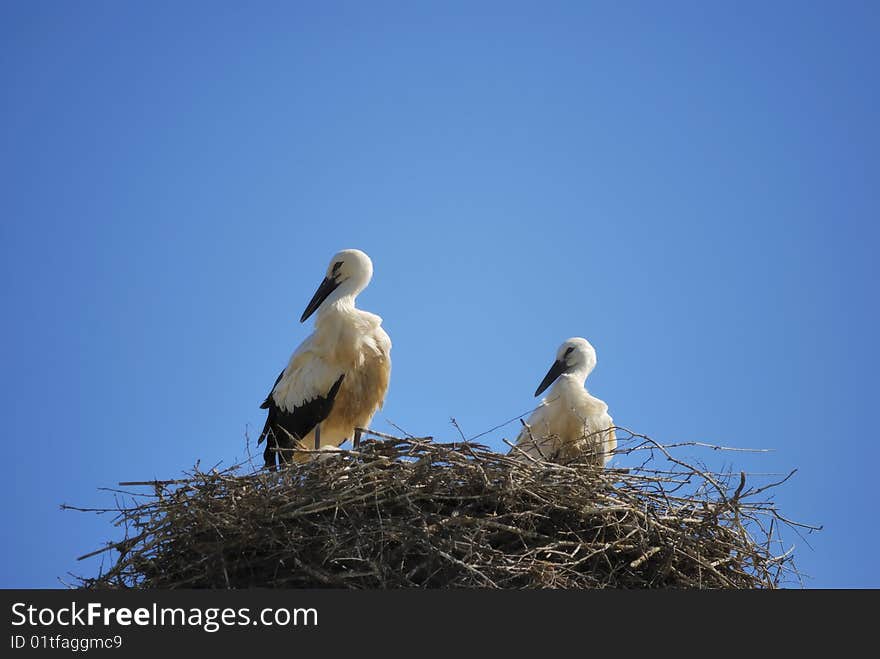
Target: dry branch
<point>409,512</point>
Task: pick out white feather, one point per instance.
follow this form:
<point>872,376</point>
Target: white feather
<point>308,376</point>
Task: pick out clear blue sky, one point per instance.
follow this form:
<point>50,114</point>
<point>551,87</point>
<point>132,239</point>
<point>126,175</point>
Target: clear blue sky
<point>691,186</point>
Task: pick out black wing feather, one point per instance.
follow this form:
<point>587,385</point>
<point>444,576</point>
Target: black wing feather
<point>268,401</point>
<point>299,422</point>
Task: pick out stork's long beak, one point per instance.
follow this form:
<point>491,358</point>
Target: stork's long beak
<point>327,286</point>
<point>555,371</point>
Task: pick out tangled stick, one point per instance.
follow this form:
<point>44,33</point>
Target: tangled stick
<point>409,512</point>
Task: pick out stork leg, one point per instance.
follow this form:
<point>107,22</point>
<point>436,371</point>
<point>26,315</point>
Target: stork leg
<point>355,442</point>
<point>317,436</point>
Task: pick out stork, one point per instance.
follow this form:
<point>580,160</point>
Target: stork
<point>570,424</point>
<point>337,378</point>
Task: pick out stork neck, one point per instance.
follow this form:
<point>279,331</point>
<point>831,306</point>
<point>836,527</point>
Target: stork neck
<point>342,304</point>
<point>579,374</point>
<point>571,381</point>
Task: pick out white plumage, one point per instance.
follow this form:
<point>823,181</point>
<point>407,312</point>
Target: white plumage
<point>570,424</point>
<point>337,378</point>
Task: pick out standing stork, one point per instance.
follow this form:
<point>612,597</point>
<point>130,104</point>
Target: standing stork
<point>570,424</point>
<point>336,379</point>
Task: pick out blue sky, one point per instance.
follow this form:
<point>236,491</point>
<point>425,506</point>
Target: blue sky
<point>691,186</point>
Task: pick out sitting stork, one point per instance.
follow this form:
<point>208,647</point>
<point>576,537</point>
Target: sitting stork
<point>336,379</point>
<point>570,424</point>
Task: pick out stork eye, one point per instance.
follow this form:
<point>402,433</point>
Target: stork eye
<point>336,267</point>
<point>567,352</point>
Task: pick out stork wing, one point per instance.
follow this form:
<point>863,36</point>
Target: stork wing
<point>300,399</point>
<point>531,440</point>
<point>610,437</point>
<point>267,402</point>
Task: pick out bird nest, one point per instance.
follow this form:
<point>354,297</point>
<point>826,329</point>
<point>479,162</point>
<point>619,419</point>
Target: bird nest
<point>413,513</point>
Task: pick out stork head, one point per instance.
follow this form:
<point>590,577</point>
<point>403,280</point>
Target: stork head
<point>348,274</point>
<point>575,357</point>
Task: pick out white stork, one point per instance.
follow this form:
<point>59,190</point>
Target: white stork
<point>569,424</point>
<point>336,379</point>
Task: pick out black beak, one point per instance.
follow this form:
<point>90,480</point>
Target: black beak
<point>555,371</point>
<point>327,286</point>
